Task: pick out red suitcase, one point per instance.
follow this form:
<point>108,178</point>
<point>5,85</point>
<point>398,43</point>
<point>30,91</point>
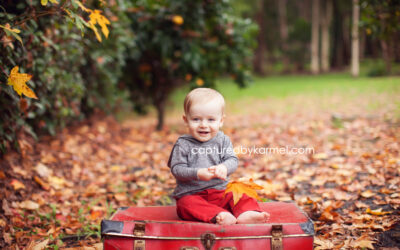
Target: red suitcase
<point>159,227</point>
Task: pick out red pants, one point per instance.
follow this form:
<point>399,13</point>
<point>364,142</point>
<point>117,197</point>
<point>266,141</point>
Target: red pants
<point>206,205</point>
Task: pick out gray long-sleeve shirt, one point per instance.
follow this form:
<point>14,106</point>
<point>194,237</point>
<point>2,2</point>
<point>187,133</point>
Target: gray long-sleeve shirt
<point>189,154</point>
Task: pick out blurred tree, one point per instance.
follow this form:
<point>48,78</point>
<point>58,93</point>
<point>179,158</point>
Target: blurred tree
<point>315,37</point>
<point>258,64</point>
<point>283,31</point>
<point>184,42</point>
<point>355,43</point>
<point>341,34</point>
<point>381,19</point>
<point>326,17</point>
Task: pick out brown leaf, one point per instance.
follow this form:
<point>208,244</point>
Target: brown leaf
<point>368,194</point>
<point>30,205</point>
<point>40,246</point>
<point>17,184</point>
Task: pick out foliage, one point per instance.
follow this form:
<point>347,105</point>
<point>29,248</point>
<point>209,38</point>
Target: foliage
<point>182,42</point>
<point>380,18</point>
<point>73,75</point>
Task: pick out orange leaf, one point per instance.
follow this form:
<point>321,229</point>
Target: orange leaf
<point>376,211</point>
<point>43,184</point>
<point>17,184</point>
<point>239,188</point>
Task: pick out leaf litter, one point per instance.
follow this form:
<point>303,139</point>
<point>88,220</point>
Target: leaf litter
<point>58,192</point>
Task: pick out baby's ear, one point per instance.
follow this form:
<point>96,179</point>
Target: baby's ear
<point>222,120</point>
<point>184,119</point>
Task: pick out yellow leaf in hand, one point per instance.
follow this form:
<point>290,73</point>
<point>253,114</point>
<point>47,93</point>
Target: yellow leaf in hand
<point>18,81</point>
<point>239,188</point>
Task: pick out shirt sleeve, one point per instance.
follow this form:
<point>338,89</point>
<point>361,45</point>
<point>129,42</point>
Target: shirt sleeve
<point>229,158</point>
<point>178,163</point>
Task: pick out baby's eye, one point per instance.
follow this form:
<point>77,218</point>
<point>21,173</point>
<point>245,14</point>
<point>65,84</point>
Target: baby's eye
<point>211,120</point>
<point>196,119</point>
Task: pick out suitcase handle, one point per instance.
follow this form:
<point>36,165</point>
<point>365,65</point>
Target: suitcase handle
<point>208,240</point>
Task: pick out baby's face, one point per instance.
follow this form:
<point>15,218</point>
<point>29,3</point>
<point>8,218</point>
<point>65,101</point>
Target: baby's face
<point>204,120</point>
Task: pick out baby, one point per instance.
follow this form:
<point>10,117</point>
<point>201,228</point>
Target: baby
<point>201,163</point>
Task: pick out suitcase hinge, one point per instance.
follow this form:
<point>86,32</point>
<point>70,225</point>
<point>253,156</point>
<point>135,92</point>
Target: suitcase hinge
<point>138,230</point>
<point>276,241</point>
<point>208,240</point>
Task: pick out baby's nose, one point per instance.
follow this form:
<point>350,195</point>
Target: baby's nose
<point>203,123</point>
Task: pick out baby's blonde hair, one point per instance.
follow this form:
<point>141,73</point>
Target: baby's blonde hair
<point>203,95</point>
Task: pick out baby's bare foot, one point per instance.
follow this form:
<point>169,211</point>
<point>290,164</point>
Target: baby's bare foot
<point>225,218</point>
<point>251,217</point>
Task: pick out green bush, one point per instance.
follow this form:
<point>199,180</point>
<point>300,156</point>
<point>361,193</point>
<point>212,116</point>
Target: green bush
<point>73,75</point>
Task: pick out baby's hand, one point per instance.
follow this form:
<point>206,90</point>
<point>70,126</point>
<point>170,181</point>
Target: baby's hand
<point>204,174</point>
<point>219,171</point>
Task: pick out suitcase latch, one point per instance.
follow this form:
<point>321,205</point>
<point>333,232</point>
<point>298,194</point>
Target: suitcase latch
<point>208,240</point>
<point>276,240</point>
<point>138,230</point>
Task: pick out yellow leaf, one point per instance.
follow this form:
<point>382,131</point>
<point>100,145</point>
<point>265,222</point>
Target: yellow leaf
<point>95,31</point>
<point>8,27</point>
<point>18,81</point>
<point>97,17</point>
<point>376,211</point>
<point>43,2</point>
<point>81,6</point>
<point>177,20</point>
<point>239,188</point>
<point>199,82</point>
<point>53,1</point>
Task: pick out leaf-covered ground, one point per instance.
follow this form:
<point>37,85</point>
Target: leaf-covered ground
<point>61,188</point>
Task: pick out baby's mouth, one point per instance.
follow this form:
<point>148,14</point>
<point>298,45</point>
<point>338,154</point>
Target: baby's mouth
<point>203,133</point>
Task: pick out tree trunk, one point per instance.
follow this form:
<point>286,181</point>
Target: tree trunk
<point>258,62</point>
<point>326,18</point>
<point>315,38</point>
<point>160,115</point>
<point>355,43</point>
<point>386,56</point>
<point>283,31</point>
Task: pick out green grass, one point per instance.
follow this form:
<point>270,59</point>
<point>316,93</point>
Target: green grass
<point>328,91</point>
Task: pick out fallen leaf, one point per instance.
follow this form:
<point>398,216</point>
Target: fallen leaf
<point>363,242</point>
<point>376,211</point>
<point>56,182</point>
<point>43,170</point>
<point>368,194</point>
<point>41,245</point>
<point>323,243</point>
<point>17,184</point>
<point>30,205</point>
<point>320,156</point>
<point>43,184</point>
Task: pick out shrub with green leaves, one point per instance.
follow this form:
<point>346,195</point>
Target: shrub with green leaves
<point>73,73</point>
<point>185,42</point>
